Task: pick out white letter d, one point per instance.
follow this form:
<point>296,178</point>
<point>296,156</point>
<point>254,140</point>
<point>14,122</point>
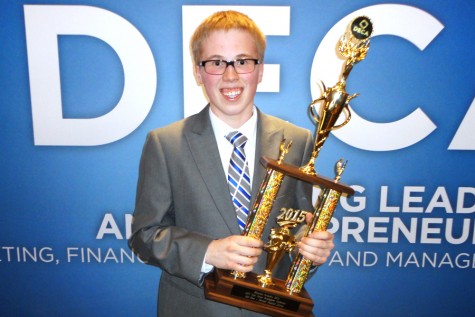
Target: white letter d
<point>43,24</point>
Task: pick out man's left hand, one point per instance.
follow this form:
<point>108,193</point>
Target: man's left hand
<point>317,246</point>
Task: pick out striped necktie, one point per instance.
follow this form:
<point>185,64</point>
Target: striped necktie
<point>238,177</point>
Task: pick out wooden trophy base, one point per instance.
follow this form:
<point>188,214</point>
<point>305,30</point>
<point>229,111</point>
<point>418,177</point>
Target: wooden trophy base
<point>248,294</point>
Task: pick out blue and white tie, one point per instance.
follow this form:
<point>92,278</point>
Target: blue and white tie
<point>238,178</point>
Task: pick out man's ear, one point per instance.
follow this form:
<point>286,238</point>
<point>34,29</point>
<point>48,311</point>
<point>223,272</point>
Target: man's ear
<point>261,71</point>
<point>197,74</point>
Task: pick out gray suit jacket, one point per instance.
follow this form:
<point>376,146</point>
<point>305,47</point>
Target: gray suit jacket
<point>183,203</point>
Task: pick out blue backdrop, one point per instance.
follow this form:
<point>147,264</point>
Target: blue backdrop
<point>82,82</point>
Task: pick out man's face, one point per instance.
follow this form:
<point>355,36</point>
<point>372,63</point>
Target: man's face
<point>231,94</point>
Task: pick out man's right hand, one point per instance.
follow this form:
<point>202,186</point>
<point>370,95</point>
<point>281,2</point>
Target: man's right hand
<point>238,253</point>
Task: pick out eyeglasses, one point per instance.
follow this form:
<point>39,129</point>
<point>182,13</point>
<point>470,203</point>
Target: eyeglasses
<point>219,66</point>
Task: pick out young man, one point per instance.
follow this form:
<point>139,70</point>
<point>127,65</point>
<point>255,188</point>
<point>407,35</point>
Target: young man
<point>185,221</point>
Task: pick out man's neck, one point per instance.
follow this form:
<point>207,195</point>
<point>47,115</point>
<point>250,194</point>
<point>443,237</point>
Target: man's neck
<point>235,121</point>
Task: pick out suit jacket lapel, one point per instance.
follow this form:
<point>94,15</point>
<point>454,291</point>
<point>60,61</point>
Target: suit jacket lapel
<point>269,136</point>
<point>204,149</point>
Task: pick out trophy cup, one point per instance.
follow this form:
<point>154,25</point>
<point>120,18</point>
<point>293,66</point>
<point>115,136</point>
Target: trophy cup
<point>262,293</point>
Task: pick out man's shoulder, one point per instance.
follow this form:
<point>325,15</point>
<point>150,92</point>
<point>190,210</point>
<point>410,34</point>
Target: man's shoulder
<point>270,121</point>
<point>170,127</point>
<point>176,128</point>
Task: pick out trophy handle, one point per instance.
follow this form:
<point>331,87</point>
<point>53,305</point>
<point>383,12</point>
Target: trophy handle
<point>345,108</point>
<point>312,105</point>
<point>312,111</point>
<point>348,118</point>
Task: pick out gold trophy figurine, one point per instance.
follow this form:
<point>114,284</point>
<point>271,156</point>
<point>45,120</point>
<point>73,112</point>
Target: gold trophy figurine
<point>280,242</point>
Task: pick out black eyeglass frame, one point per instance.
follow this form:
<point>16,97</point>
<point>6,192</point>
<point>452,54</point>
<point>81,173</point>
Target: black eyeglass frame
<point>228,63</point>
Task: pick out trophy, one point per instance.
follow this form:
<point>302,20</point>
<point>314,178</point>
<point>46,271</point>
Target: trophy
<point>262,293</point>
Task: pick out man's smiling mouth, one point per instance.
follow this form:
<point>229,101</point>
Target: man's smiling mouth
<point>231,93</point>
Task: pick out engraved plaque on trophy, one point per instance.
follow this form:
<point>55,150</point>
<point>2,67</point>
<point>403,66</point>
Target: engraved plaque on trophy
<point>261,292</point>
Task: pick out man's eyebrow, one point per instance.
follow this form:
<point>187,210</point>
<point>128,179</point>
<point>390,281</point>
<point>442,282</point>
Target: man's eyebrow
<point>240,56</point>
<point>214,57</point>
<point>219,57</point>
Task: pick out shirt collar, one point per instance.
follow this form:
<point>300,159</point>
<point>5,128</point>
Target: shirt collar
<point>221,128</point>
